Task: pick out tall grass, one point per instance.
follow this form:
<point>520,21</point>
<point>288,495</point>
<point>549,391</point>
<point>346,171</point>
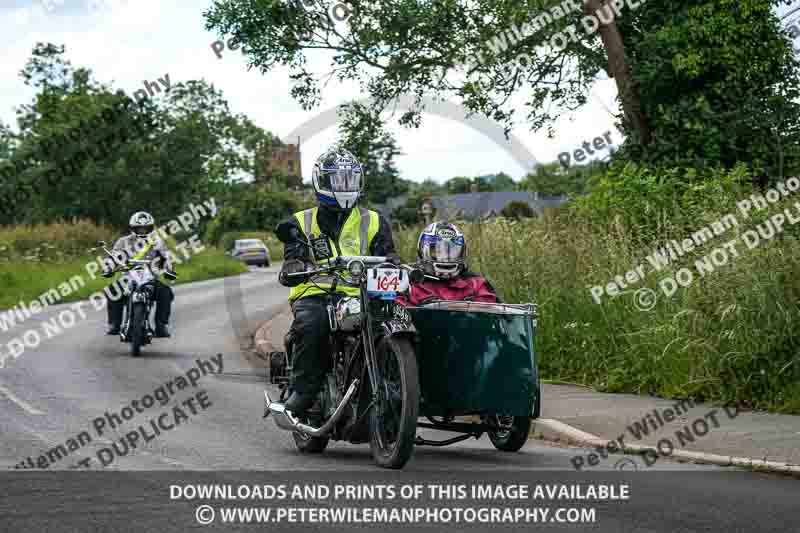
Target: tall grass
<point>730,336</point>
<point>51,243</point>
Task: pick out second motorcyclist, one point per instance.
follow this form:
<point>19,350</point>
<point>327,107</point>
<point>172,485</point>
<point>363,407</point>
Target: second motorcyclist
<point>141,244</point>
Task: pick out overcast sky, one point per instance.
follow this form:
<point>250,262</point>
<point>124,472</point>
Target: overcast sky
<point>126,42</point>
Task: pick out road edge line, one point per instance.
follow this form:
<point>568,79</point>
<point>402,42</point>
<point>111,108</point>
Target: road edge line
<point>573,435</point>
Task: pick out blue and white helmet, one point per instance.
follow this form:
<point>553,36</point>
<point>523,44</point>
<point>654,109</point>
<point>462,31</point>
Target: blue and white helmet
<point>338,179</point>
<point>441,250</point>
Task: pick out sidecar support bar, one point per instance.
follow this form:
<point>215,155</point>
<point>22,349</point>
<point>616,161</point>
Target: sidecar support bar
<point>458,427</point>
<point>285,420</point>
<point>419,441</point>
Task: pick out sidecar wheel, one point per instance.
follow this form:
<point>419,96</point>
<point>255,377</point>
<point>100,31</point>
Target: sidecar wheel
<point>513,438</point>
<point>307,444</point>
<point>392,432</point>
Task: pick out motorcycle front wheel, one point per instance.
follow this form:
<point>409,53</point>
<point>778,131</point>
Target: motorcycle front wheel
<point>137,328</point>
<point>393,420</point>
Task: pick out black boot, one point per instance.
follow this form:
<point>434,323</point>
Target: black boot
<point>113,329</point>
<point>162,331</point>
<point>298,403</point>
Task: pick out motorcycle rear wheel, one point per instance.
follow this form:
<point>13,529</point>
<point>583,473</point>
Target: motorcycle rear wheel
<point>394,427</point>
<point>137,327</point>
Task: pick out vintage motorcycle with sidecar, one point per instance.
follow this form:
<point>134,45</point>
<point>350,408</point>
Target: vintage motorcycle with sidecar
<point>466,367</point>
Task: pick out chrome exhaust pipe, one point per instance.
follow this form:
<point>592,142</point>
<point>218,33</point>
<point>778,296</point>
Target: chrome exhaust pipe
<point>284,419</point>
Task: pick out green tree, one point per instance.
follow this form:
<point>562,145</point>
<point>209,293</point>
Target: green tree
<point>252,207</point>
<point>459,185</point>
<point>553,178</point>
<point>719,83</point>
<point>77,142</point>
<point>428,187</point>
<point>362,132</point>
<point>84,151</point>
<point>449,49</point>
<point>679,68</point>
<point>501,182</point>
<point>408,214</point>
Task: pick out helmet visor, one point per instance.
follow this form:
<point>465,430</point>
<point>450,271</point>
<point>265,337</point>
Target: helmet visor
<point>439,250</point>
<point>142,231</point>
<point>343,178</point>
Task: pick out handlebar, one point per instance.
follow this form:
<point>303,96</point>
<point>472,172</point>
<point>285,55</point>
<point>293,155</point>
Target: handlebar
<point>132,262</point>
<point>343,261</point>
<point>366,259</point>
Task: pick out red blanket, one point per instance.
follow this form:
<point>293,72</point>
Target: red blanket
<point>473,288</point>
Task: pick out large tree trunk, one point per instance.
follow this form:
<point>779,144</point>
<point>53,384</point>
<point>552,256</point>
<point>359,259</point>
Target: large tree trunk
<point>619,69</point>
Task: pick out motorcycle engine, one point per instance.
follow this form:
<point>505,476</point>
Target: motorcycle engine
<point>348,314</point>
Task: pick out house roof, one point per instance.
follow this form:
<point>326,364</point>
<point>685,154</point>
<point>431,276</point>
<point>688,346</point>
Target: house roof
<point>483,204</point>
<point>477,205</point>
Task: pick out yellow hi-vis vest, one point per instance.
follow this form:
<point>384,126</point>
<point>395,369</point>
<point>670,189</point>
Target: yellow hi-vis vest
<point>357,233</point>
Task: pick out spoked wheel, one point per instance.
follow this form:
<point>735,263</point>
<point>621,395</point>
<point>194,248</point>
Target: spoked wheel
<point>393,420</point>
<point>512,433</point>
<point>137,328</point>
<point>308,444</point>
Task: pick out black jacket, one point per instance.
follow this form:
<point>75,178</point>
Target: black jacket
<point>330,221</point>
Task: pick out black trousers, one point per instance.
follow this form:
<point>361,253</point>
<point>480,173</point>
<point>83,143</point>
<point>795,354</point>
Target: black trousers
<point>116,303</point>
<point>311,350</point>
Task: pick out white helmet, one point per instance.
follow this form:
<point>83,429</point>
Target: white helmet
<point>441,250</point>
<point>338,179</point>
<point>142,224</point>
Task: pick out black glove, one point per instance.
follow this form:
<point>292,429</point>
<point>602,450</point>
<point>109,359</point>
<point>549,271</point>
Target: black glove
<point>170,275</point>
<point>394,259</point>
<point>290,267</point>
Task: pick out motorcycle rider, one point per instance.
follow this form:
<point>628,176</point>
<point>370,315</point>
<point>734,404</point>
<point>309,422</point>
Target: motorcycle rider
<point>441,254</point>
<point>141,244</point>
<point>338,182</point>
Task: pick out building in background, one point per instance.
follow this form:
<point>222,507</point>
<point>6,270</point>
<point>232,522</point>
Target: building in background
<point>285,159</point>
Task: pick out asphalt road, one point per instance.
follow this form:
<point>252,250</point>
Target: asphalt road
<point>55,392</point>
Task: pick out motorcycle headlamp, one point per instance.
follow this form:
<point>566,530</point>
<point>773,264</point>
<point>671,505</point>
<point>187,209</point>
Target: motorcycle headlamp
<point>356,268</point>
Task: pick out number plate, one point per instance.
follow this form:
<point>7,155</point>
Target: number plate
<point>386,283</point>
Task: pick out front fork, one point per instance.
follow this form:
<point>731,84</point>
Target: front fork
<point>378,392</point>
<point>126,321</point>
